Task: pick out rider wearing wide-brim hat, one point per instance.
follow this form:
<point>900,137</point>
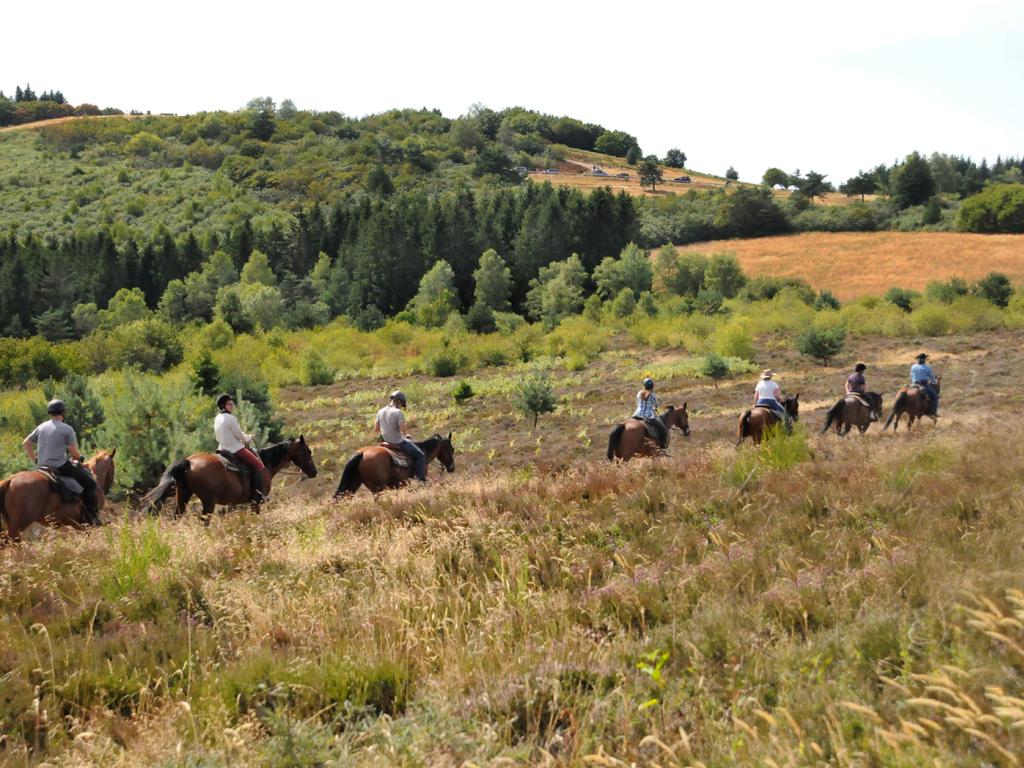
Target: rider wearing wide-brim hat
<point>768,394</point>
<point>921,375</point>
<point>231,439</point>
<point>49,446</point>
<point>390,425</point>
<point>647,411</point>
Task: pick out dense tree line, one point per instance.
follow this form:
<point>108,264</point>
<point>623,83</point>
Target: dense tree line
<point>376,251</point>
<point>26,106</point>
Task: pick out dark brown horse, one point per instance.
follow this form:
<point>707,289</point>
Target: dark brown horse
<point>372,466</point>
<point>850,411</point>
<point>912,401</point>
<point>756,422</point>
<point>204,475</point>
<point>630,438</point>
<point>27,497</point>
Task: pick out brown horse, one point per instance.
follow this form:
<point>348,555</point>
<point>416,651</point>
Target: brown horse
<point>372,466</point>
<point>27,497</point>
<point>851,412</point>
<point>629,438</point>
<point>204,475</point>
<point>755,422</point>
<point>912,401</point>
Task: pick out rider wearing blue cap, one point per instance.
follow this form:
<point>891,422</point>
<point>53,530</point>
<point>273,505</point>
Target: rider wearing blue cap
<point>647,411</point>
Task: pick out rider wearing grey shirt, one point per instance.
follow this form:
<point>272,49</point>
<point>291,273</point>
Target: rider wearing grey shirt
<point>55,440</point>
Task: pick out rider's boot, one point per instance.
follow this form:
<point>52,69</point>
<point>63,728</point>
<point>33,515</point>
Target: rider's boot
<point>92,517</point>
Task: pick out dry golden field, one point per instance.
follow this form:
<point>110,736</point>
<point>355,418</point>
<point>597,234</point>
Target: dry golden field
<point>852,264</point>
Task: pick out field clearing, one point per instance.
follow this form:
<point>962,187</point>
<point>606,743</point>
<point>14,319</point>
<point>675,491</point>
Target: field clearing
<point>853,264</point>
<point>542,607</point>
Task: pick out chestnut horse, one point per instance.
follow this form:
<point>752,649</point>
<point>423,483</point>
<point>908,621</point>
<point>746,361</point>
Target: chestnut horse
<point>913,402</point>
<point>27,497</point>
<point>372,466</point>
<point>851,412</point>
<point>755,422</point>
<point>630,438</point>
<point>204,475</point>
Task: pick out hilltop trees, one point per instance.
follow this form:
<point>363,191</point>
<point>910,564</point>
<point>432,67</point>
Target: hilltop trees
<point>649,172</point>
<point>731,174</point>
<point>493,282</point>
<point>775,177</point>
<point>675,158</point>
<point>814,185</point>
<point>912,182</point>
<point>864,183</point>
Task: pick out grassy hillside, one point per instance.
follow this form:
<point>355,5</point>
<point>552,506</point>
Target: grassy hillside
<point>851,602</point>
<point>855,264</point>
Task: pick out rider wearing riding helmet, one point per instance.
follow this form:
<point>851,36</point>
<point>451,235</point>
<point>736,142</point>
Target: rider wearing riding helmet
<point>647,411</point>
<point>390,425</point>
<point>231,439</point>
<point>55,441</point>
<point>768,394</point>
<point>921,375</point>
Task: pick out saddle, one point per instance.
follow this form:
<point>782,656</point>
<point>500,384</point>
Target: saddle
<point>398,458</point>
<point>858,398</point>
<point>921,392</point>
<point>67,488</point>
<point>233,464</point>
<point>651,431</point>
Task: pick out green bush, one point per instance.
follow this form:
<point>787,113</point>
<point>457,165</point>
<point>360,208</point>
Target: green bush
<point>715,368</point>
<point>462,392</point>
<point>315,370</point>
<point>995,287</point>
<point>999,208</point>
<point>822,343</point>
<point>930,320</point>
<point>445,361</point>
<point>734,340</point>
<point>535,396</point>
<point>901,297</point>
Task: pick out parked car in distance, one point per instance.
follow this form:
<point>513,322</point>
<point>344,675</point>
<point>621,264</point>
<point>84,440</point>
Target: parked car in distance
<point>599,172</point>
<point>682,179</point>
<point>622,175</point>
<point>551,170</point>
<point>521,169</point>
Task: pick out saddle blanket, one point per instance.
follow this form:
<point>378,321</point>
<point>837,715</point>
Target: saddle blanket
<point>232,464</point>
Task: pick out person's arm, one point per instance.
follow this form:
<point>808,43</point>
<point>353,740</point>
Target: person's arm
<point>403,424</point>
<point>236,430</point>
<point>29,445</point>
<point>376,424</point>
<point>73,453</point>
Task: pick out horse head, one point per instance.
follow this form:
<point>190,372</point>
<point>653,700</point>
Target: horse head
<point>792,406</point>
<point>446,452</point>
<point>102,467</point>
<point>677,417</point>
<point>301,456</point>
<point>875,399</point>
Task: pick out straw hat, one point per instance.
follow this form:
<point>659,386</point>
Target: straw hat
<point>767,373</point>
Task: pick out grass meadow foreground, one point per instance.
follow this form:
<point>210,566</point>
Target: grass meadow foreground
<point>818,601</point>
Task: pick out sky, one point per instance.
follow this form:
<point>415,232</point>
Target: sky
<point>797,85</point>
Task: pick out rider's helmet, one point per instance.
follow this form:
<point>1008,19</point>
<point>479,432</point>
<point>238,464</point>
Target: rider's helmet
<point>222,399</point>
<point>648,383</point>
<point>860,367</point>
<point>398,396</point>
<point>56,406</point>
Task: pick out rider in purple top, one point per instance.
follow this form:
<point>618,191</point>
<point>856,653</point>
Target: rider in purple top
<point>856,384</point>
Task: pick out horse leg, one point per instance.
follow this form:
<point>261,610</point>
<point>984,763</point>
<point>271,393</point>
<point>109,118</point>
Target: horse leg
<point>209,505</point>
<point>181,499</point>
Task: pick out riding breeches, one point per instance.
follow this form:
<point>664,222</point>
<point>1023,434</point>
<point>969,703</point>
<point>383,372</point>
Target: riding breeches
<point>250,458</point>
<point>87,481</point>
<point>416,456</point>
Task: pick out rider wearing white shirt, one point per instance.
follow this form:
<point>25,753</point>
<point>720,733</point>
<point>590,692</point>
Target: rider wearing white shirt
<point>768,394</point>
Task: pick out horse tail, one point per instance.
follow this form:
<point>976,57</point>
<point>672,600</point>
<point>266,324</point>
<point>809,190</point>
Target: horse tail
<point>5,522</point>
<point>897,407</point>
<point>614,439</point>
<point>832,415</point>
<point>172,478</point>
<point>350,480</point>
<point>744,427</point>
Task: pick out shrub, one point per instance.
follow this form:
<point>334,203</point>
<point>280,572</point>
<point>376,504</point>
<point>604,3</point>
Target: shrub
<point>715,368</point>
<point>901,297</point>
<point>492,351</point>
<point>995,287</point>
<point>624,303</point>
<point>822,343</point>
<point>150,345</point>
<point>999,208</point>
<point>945,292</point>
<point>152,424</point>
<point>973,313</point>
<point>480,318</point>
<point>462,392</point>
<point>734,340</point>
<point>445,361</point>
<point>205,375</point>
<point>826,300</point>
<point>315,370</point>
<point>535,396</point>
<point>930,320</point>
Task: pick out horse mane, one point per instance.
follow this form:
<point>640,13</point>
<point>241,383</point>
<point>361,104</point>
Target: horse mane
<point>430,443</point>
<point>272,455</point>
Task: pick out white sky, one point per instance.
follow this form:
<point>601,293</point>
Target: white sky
<point>809,85</point>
